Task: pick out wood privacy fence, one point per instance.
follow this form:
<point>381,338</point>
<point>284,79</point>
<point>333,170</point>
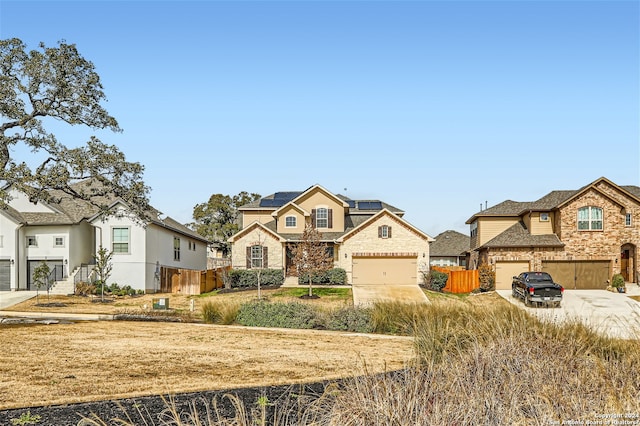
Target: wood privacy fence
<point>460,281</point>
<point>187,281</point>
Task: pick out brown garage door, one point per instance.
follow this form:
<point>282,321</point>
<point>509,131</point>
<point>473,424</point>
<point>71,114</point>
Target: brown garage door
<point>505,271</point>
<point>587,274</point>
<point>384,270</point>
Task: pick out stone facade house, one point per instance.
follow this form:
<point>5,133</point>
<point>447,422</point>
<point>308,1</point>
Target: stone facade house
<point>369,239</point>
<point>581,237</point>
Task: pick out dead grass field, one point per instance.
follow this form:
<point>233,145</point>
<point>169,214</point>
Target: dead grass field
<point>89,361</point>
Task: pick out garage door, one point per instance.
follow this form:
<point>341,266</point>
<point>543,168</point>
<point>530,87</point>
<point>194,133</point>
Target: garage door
<point>384,270</point>
<point>505,271</point>
<point>588,274</point>
<point>5,275</point>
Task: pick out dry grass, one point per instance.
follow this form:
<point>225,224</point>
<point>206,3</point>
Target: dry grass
<point>55,364</point>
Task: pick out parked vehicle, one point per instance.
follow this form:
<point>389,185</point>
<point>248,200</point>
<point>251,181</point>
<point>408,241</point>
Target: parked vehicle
<point>537,287</point>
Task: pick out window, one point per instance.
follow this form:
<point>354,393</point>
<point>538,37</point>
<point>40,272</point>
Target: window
<point>290,222</point>
<point>58,241</point>
<point>120,240</point>
<point>544,217</point>
<point>32,241</point>
<point>474,229</point>
<point>322,218</point>
<point>627,222</point>
<point>384,231</point>
<point>330,252</point>
<point>590,219</point>
<point>176,248</point>
<point>256,256</point>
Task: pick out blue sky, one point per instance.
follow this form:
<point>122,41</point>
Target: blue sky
<point>435,107</point>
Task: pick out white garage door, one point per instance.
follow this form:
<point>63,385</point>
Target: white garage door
<point>385,270</point>
<point>505,271</point>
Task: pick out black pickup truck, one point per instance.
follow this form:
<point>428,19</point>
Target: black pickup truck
<point>537,287</point>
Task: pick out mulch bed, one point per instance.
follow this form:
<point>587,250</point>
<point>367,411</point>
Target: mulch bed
<point>153,410</point>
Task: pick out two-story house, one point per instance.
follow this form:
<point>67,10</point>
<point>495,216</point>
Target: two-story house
<point>67,235</point>
<point>369,239</point>
<point>581,237</point>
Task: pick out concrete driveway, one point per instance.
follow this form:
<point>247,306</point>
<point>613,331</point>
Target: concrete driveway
<point>613,314</point>
<point>10,298</point>
<point>367,294</point>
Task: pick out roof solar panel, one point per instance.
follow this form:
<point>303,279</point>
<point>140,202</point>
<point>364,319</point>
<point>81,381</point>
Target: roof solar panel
<point>369,205</point>
<point>268,202</point>
<point>285,196</point>
<point>352,204</point>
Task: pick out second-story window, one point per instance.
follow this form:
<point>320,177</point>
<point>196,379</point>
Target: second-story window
<point>176,248</point>
<point>590,219</point>
<point>120,240</point>
<point>384,231</point>
<point>290,222</point>
<point>322,218</point>
<point>627,219</point>
<point>58,241</point>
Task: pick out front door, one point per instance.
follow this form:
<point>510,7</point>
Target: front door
<point>291,270</point>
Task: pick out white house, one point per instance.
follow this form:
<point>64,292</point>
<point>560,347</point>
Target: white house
<point>68,234</point>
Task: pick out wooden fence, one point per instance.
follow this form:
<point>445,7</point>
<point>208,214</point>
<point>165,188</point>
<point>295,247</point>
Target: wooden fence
<point>187,281</point>
<point>460,281</point>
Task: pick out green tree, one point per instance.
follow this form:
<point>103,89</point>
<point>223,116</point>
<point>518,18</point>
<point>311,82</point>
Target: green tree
<point>103,267</point>
<point>217,219</point>
<point>41,278</point>
<point>310,255</point>
<point>57,83</point>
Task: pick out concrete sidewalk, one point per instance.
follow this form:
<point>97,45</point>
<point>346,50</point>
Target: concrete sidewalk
<point>612,314</point>
<point>11,298</point>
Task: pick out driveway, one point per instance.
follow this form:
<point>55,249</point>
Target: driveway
<point>367,294</point>
<point>10,298</point>
<point>613,314</point>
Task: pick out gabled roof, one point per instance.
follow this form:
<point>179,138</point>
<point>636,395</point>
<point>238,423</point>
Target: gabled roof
<point>518,236</point>
<point>68,210</point>
<point>375,217</point>
<point>449,243</point>
<point>551,201</point>
<point>268,228</point>
<point>294,206</point>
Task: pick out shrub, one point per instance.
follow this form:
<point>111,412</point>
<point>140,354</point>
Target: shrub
<point>216,312</point>
<point>83,288</point>
<point>487,277</point>
<point>284,315</point>
<point>249,277</point>
<point>332,276</point>
<point>437,280</point>
<point>351,319</point>
<point>617,281</point>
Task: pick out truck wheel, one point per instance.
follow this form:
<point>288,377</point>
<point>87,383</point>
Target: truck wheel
<point>527,302</point>
<point>514,293</point>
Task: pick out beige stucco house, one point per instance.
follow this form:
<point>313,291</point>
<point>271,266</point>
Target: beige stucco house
<point>369,239</point>
<point>581,237</point>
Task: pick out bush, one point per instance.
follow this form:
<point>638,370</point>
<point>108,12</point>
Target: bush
<point>83,288</point>
<point>437,280</point>
<point>216,312</point>
<point>487,277</point>
<point>332,276</point>
<point>249,277</point>
<point>284,315</point>
<point>351,319</point>
<point>617,281</point>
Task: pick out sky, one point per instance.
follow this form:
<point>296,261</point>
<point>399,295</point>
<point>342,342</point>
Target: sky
<point>439,108</point>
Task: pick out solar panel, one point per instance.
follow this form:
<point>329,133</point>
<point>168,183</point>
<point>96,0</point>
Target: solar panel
<point>352,204</point>
<point>369,205</point>
<point>268,202</point>
<point>285,196</point>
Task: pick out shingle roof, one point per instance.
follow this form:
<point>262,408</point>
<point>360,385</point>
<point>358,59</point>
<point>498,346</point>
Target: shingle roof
<point>635,190</point>
<point>70,211</point>
<point>518,236</point>
<point>450,243</point>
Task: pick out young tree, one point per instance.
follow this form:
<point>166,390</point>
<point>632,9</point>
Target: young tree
<point>57,83</point>
<point>41,278</point>
<point>217,219</point>
<point>103,267</point>
<point>258,261</point>
<point>310,255</point>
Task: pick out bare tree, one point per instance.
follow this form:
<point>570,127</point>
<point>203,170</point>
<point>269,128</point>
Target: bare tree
<point>310,255</point>
<point>258,258</point>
